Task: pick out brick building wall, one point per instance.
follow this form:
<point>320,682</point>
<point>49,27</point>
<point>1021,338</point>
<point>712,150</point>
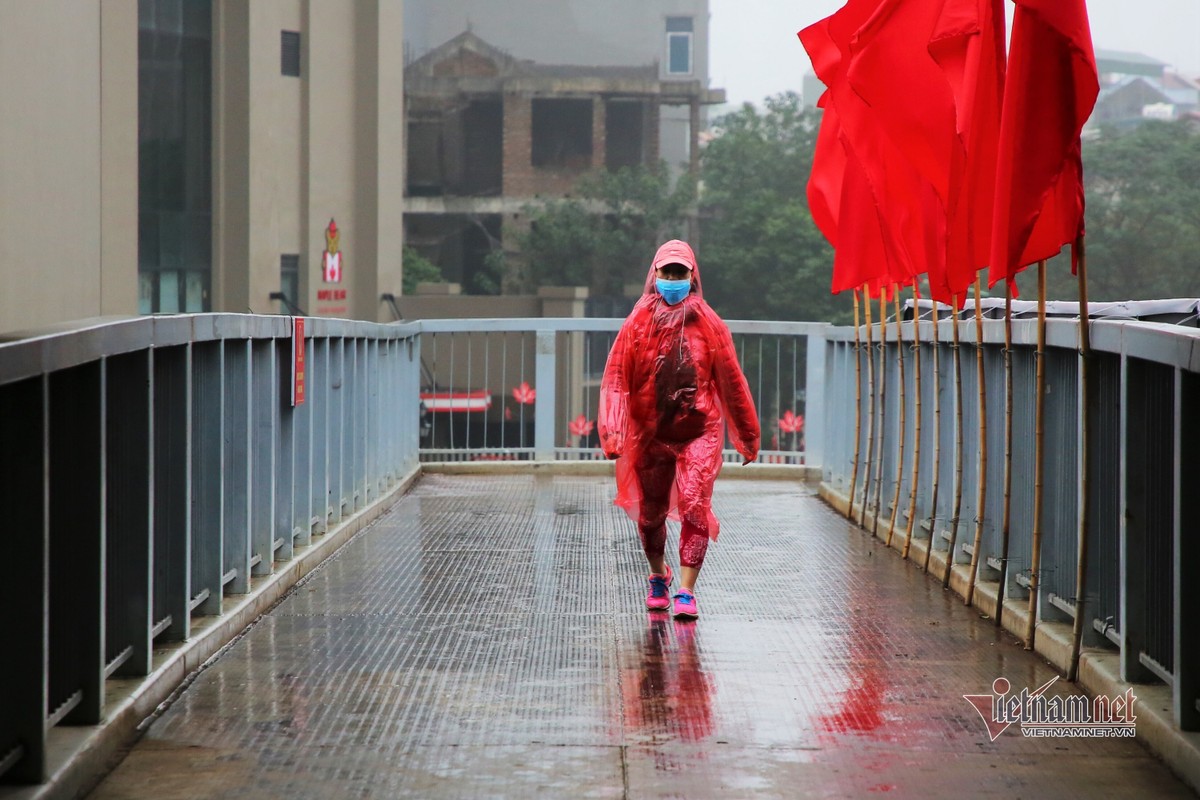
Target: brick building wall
<point>521,177</point>
<point>599,133</point>
<point>518,146</point>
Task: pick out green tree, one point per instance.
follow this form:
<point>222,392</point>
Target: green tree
<point>604,237</point>
<point>416,268</point>
<point>762,256</point>
<point>1143,216</point>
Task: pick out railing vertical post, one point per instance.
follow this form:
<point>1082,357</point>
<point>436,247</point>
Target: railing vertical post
<point>544,375</point>
<point>335,419</point>
<point>318,501</point>
<point>371,422</point>
<point>814,399</point>
<point>349,425</point>
<point>173,491</point>
<point>129,523</point>
<point>362,417</point>
<point>264,468</point>
<point>207,506</point>
<point>236,465</point>
<point>1133,567</point>
<point>411,411</point>
<point>391,424</point>
<point>24,494</point>
<point>302,441</point>
<point>77,542</point>
<point>285,455</point>
<point>1187,559</point>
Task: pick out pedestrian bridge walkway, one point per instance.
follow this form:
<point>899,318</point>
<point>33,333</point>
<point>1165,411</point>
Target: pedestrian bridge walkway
<point>486,638</point>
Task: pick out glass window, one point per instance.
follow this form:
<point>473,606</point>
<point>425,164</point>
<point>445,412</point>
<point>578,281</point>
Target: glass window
<point>679,45</point>
<point>679,54</point>
<point>195,291</point>
<point>289,58</point>
<point>174,153</point>
<point>289,278</point>
<point>168,292</point>
<point>146,287</point>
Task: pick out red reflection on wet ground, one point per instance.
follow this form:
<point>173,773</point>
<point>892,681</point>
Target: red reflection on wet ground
<point>863,711</point>
<point>860,708</point>
<point>668,695</point>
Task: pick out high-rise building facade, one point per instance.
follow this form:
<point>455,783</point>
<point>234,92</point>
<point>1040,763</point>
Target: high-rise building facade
<point>197,155</point>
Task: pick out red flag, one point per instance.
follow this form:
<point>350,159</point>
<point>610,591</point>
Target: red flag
<point>898,225</point>
<point>861,256</point>
<point>1050,92</point>
<point>892,70</point>
<point>829,165</point>
<point>968,45</point>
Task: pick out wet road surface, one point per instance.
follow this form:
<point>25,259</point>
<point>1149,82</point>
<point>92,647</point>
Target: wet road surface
<point>487,638</point>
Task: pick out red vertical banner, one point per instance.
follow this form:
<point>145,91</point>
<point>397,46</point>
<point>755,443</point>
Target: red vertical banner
<point>298,361</point>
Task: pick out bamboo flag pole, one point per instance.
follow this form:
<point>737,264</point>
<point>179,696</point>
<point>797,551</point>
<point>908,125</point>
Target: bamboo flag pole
<point>916,467</point>
<point>1035,558</point>
<point>900,451</point>
<point>857,409</point>
<point>1085,355</point>
<point>1008,417</point>
<point>981,500</point>
<point>882,407</point>
<point>937,436</point>
<point>958,453</point>
<point>862,511</point>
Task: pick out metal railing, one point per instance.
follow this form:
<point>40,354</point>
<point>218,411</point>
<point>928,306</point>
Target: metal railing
<point>529,388</point>
<point>153,468</point>
<point>1144,394</point>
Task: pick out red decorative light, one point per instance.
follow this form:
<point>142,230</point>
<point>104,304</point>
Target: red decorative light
<point>581,426</point>
<point>523,394</point>
<point>791,423</point>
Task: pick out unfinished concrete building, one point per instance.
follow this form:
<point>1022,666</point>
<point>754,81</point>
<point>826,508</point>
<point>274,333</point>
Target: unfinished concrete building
<point>489,134</point>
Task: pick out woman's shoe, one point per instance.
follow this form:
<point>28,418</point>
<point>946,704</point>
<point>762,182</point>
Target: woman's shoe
<point>685,605</point>
<point>659,596</point>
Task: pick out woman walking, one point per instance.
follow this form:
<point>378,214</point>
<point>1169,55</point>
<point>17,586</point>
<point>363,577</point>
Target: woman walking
<point>671,378</point>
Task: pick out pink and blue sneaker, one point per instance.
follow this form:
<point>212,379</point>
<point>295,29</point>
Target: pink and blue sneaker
<point>659,596</point>
<point>685,605</point>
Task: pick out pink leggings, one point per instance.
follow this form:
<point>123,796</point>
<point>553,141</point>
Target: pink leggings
<point>657,470</point>
<point>693,542</point>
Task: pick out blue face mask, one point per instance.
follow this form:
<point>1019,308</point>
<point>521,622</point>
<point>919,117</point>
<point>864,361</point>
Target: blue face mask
<point>673,291</point>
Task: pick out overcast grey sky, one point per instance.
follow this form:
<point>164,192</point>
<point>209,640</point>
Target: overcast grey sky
<point>754,51</point>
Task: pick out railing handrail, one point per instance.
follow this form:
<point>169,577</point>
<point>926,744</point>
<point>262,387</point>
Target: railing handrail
<point>598,324</point>
<point>1162,343</point>
<point>62,347</point>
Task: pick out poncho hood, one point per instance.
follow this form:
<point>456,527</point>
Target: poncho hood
<point>675,251</point>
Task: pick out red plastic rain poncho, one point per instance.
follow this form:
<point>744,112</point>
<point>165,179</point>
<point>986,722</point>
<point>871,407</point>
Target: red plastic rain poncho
<point>671,378</point>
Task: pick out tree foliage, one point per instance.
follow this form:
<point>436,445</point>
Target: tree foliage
<point>763,256</point>
<point>605,237</point>
<point>417,269</point>
<point>1142,215</point>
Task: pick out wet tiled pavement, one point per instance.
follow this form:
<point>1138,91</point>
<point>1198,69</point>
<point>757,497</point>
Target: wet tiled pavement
<point>486,638</point>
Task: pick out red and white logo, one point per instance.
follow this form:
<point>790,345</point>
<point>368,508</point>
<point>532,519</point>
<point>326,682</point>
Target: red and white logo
<point>331,260</point>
